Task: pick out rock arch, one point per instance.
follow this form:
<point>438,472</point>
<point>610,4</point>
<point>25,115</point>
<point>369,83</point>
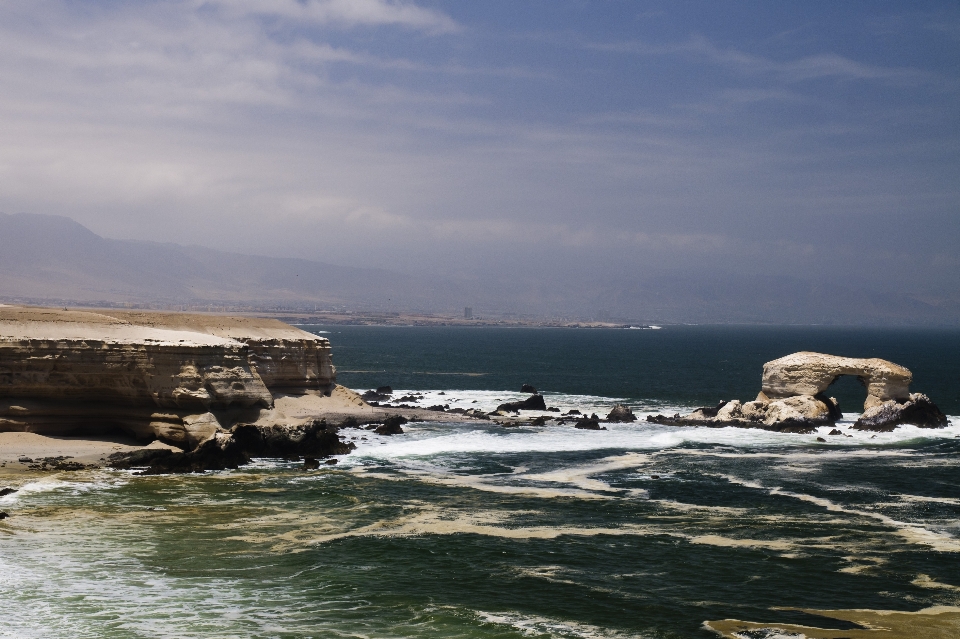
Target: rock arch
<point>807,373</point>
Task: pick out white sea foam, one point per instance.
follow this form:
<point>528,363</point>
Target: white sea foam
<point>426,440</point>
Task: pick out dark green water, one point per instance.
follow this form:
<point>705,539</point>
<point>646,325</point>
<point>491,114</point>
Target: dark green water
<point>480,531</point>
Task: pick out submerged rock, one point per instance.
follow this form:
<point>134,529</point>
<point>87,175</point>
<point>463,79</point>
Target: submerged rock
<point>527,388</point>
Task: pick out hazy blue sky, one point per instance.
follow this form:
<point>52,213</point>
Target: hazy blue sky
<point>818,139</point>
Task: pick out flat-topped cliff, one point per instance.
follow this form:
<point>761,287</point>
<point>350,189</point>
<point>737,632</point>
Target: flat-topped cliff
<point>177,377</point>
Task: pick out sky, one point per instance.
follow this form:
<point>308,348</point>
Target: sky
<point>559,141</point>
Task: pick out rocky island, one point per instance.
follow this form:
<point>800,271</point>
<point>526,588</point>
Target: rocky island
<point>793,398</point>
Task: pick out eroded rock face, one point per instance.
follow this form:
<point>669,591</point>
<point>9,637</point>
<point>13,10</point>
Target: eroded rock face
<point>175,377</point>
<point>810,374</point>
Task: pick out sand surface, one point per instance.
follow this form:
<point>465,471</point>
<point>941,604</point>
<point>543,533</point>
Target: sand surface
<point>128,327</point>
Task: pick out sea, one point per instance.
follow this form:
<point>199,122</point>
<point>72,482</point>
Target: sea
<point>479,530</point>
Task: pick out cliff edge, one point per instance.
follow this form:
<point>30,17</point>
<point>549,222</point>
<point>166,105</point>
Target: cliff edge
<point>169,376</point>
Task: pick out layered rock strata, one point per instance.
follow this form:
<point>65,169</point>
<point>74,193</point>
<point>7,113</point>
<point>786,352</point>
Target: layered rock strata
<point>793,399</point>
<point>178,378</point>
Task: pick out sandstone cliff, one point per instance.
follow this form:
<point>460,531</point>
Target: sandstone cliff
<point>154,375</point>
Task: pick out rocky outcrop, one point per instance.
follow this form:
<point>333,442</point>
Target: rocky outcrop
<point>178,378</point>
<point>811,374</point>
<point>534,402</point>
<point>917,410</point>
<point>792,398</point>
<point>621,413</point>
<point>233,449</point>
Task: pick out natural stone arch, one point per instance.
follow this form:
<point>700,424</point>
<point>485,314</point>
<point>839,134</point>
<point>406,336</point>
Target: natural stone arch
<point>807,373</point>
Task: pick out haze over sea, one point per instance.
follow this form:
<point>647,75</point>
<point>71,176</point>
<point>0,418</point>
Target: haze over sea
<point>476,530</point>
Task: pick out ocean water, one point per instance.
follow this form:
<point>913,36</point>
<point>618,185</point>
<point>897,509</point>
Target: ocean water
<point>475,530</point>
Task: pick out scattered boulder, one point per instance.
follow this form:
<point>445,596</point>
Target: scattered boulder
<point>375,396</point>
<point>310,463</point>
<point>621,413</point>
<point>821,439</point>
<point>7,491</point>
<point>385,390</point>
<point>589,423</point>
<point>3,515</point>
<point>534,402</point>
<point>391,426</point>
<point>917,410</point>
<point>538,421</point>
<point>527,388</point>
<point>332,462</point>
<point>835,431</point>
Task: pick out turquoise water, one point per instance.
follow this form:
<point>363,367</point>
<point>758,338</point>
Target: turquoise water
<point>481,531</point>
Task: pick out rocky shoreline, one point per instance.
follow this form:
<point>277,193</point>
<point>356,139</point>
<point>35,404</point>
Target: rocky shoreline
<point>213,392</point>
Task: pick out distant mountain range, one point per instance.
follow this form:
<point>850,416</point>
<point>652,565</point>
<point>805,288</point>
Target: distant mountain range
<point>51,259</point>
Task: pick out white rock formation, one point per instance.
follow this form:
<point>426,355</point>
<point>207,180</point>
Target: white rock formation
<point>792,397</point>
<point>809,374</point>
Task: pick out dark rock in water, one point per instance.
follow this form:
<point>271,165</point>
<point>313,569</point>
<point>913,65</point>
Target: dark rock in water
<point>374,396</point>
<point>553,409</point>
<point>527,388</point>
<point>711,411</point>
<point>391,426</point>
<point>310,463</point>
<point>621,413</point>
<point>3,515</point>
<point>350,422</point>
<point>534,402</point>
<point>25,460</point>
<point>234,449</point>
<point>821,439</point>
<point>799,426</point>
<point>7,491</point>
<point>315,438</point>
<point>918,410</point>
<point>220,452</point>
<point>538,421</point>
<point>572,411</point>
<point>137,458</point>
<point>589,423</point>
<point>384,390</point>
<point>331,462</point>
<point>438,408</point>
<point>835,431</point>
<point>409,398</point>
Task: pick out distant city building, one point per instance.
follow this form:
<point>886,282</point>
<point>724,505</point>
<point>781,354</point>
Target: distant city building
<point>467,312</point>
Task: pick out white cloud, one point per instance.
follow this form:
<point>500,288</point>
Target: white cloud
<point>349,13</point>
